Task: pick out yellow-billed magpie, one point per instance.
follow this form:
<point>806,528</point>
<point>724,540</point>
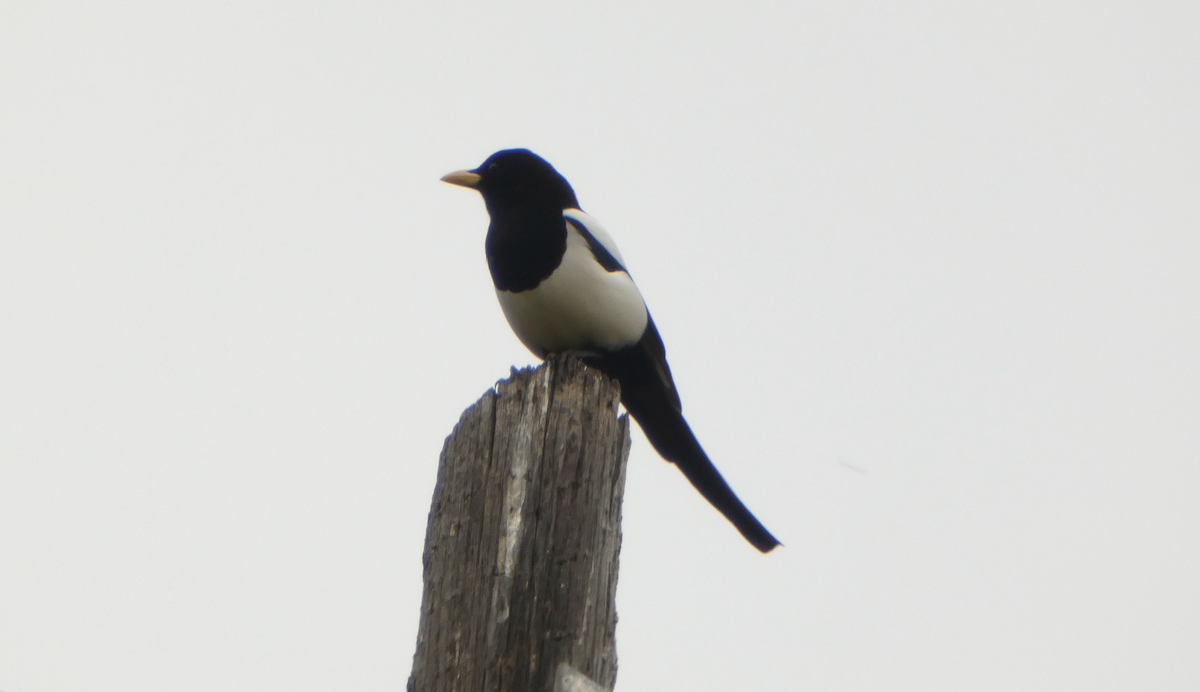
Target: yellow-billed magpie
<point>564,288</point>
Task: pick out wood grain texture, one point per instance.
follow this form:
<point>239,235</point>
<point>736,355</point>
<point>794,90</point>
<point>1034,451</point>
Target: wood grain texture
<point>524,534</point>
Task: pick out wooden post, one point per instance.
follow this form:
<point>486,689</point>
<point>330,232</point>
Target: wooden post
<point>523,537</point>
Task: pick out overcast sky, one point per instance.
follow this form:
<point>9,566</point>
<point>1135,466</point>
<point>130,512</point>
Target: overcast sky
<point>928,275</point>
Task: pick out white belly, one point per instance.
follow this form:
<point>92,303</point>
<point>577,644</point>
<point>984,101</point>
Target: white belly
<point>579,307</point>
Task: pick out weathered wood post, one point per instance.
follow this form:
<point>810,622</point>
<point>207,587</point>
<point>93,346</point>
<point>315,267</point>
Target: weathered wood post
<point>523,537</point>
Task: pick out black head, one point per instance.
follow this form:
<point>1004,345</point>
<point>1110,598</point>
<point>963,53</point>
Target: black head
<point>515,179</point>
<point>525,197</point>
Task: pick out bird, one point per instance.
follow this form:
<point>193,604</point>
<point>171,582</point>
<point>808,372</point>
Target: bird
<point>564,288</point>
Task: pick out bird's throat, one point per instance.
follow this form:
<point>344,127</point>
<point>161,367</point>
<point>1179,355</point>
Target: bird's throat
<point>524,249</point>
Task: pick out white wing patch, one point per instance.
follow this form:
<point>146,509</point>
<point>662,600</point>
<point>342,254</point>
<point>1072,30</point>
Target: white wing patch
<point>579,307</point>
<point>598,232</point>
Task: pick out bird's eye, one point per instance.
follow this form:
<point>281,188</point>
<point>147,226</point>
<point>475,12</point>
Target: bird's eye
<point>493,166</point>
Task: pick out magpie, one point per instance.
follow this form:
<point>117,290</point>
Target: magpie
<point>563,287</point>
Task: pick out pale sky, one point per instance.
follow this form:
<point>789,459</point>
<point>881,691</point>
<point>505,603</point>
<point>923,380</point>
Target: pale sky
<point>928,276</point>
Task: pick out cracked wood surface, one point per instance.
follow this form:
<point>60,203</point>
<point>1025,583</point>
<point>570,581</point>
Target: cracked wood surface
<point>523,537</point>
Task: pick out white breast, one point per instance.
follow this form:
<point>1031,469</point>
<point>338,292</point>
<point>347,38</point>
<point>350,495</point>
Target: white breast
<point>580,306</point>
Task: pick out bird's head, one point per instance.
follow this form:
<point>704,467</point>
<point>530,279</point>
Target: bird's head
<point>517,178</point>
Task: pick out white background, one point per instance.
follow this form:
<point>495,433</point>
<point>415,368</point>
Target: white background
<point>928,275</point>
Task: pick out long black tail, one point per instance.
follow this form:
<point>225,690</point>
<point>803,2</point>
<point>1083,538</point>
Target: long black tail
<point>648,393</point>
<point>673,439</point>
